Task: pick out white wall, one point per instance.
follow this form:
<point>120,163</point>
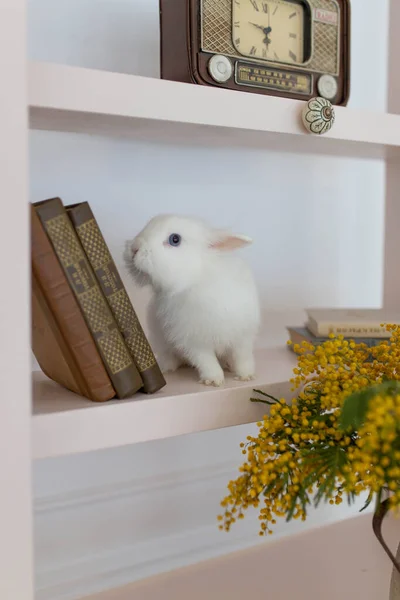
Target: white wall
<point>114,516</point>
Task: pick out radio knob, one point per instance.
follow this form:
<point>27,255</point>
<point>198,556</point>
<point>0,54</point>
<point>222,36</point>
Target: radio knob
<point>220,68</point>
<point>318,115</point>
<point>327,87</point>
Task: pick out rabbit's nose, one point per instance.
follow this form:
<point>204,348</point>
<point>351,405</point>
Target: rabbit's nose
<point>134,252</point>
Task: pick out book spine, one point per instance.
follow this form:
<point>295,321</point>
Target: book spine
<point>56,318</point>
<point>109,341</point>
<point>370,342</point>
<point>116,295</point>
<point>297,336</point>
<point>348,330</point>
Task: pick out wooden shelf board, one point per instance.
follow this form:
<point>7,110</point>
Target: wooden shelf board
<point>64,423</point>
<point>65,98</point>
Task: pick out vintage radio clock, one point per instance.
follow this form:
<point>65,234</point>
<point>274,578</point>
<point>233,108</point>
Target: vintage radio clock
<point>291,48</point>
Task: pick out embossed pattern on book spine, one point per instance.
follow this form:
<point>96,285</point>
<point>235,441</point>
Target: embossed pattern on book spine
<point>113,288</point>
<point>122,371</point>
<point>61,340</point>
<point>92,302</point>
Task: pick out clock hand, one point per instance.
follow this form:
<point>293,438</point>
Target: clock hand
<point>265,30</point>
<point>256,25</point>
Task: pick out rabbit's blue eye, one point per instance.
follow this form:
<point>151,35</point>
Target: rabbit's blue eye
<point>174,239</point>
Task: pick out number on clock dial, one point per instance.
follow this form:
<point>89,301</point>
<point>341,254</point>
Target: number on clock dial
<point>269,29</point>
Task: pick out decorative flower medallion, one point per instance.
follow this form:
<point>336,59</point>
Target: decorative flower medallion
<point>318,115</point>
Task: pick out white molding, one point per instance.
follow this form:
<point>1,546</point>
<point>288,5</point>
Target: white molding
<point>132,487</point>
<point>88,575</point>
<point>79,576</point>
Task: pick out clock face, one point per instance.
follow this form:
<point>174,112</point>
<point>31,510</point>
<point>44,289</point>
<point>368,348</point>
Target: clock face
<point>272,30</point>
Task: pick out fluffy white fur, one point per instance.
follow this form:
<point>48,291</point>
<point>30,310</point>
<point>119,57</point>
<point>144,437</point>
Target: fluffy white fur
<point>205,298</point>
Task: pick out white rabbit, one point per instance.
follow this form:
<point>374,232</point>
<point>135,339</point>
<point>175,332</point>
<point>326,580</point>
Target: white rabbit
<point>205,298</point>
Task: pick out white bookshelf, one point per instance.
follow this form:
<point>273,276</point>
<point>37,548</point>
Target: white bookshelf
<point>71,99</point>
<point>64,423</point>
<point>16,566</point>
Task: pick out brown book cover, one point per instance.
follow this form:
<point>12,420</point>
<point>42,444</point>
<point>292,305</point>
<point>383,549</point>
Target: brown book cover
<point>117,297</point>
<point>124,375</point>
<point>61,340</point>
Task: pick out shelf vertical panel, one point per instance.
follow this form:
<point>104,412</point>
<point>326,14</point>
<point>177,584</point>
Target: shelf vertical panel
<point>16,579</point>
<point>392,218</point>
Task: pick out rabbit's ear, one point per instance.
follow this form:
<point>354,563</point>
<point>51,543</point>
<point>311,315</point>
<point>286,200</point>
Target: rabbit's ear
<point>229,241</point>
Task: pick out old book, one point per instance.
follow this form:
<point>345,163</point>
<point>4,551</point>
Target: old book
<point>114,291</point>
<point>124,375</point>
<point>61,340</point>
<point>354,323</point>
<point>301,334</point>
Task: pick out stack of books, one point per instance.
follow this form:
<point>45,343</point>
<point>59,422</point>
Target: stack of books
<point>363,325</point>
<point>86,335</point>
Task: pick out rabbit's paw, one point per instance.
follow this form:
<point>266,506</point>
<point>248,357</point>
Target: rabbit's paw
<point>215,382</point>
<point>208,367</point>
<point>244,378</point>
<point>243,361</point>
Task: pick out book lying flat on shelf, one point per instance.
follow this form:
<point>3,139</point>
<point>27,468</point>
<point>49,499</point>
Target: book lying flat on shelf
<point>111,346</point>
<point>354,323</point>
<point>302,334</point>
<point>61,340</point>
<point>106,273</point>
